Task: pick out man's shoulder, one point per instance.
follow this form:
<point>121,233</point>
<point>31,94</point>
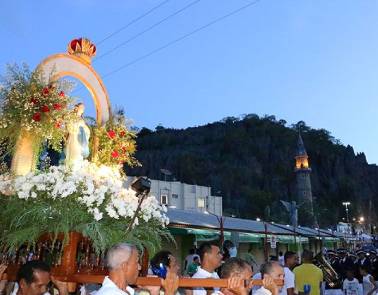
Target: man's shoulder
<point>109,288</point>
<point>203,274</point>
<point>288,272</point>
<point>352,281</point>
<point>298,268</point>
<point>318,269</point>
<point>306,267</point>
<point>198,274</point>
<point>314,269</point>
<point>262,291</point>
<point>110,291</point>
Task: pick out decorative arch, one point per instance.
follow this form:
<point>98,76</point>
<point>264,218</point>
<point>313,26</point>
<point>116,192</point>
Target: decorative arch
<point>63,65</point>
<point>76,63</point>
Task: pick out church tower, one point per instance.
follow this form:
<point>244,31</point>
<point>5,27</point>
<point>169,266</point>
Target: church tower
<point>304,191</point>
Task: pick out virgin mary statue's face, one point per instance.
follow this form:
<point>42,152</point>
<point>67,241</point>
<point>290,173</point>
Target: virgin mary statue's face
<point>80,110</point>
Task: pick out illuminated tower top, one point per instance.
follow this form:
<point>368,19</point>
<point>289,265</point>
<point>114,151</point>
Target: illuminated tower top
<point>301,158</point>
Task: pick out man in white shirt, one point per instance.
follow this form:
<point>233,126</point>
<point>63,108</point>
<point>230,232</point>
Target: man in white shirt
<point>270,271</point>
<point>239,273</point>
<point>211,259</point>
<point>291,261</point>
<point>123,263</point>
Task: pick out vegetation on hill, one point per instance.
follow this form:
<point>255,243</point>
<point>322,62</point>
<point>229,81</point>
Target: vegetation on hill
<point>249,161</point>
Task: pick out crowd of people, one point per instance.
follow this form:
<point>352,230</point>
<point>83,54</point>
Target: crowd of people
<point>209,261</point>
<point>358,271</point>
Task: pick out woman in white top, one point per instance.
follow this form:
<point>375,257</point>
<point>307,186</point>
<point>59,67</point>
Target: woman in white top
<point>368,283</point>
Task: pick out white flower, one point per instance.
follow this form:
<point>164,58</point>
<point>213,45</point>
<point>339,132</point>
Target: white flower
<point>99,188</point>
<point>97,214</point>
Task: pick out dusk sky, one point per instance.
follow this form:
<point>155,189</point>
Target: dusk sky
<point>315,61</point>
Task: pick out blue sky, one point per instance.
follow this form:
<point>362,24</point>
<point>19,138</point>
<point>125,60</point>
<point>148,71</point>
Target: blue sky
<point>315,61</point>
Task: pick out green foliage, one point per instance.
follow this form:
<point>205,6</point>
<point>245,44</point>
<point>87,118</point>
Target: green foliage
<point>25,221</point>
<point>29,105</point>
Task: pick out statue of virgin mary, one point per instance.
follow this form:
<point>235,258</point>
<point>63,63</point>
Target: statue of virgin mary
<point>77,145</point>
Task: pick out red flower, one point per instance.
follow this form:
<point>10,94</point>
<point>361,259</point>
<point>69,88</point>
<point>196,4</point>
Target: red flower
<point>37,117</point>
<point>122,133</point>
<point>61,93</point>
<point>45,91</point>
<point>33,100</point>
<point>57,106</point>
<point>58,124</point>
<point>114,154</point>
<point>45,109</point>
<point>111,134</point>
<point>124,149</point>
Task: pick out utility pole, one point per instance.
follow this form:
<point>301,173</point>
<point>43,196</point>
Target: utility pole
<point>266,242</point>
<point>220,220</point>
<point>346,204</point>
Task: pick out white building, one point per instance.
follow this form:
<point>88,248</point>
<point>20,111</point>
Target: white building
<point>344,228</point>
<point>184,196</point>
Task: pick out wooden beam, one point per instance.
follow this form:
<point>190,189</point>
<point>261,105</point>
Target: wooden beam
<point>149,281</point>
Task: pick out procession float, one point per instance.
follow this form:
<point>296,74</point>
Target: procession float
<point>68,213</point>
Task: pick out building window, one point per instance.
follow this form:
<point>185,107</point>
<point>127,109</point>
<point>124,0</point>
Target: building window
<point>201,203</point>
<point>193,189</point>
<point>164,199</point>
<point>174,196</point>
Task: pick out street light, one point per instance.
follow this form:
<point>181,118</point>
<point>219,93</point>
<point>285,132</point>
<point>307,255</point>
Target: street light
<point>346,204</point>
<point>362,219</point>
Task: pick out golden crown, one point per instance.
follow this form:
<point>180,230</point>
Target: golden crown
<point>82,48</point>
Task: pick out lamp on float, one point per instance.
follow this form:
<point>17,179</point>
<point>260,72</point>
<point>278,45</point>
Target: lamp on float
<point>142,186</point>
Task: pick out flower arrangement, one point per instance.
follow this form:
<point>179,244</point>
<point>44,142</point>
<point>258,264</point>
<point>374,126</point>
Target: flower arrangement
<point>116,143</point>
<point>91,200</point>
<point>89,197</point>
<point>28,104</point>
